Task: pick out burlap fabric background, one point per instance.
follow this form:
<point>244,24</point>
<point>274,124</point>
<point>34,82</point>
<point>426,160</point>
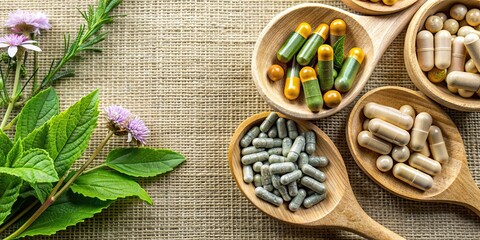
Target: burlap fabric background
<point>184,67</point>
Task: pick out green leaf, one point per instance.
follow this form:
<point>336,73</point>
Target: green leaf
<point>35,166</point>
<point>37,138</point>
<point>15,153</point>
<point>339,51</point>
<point>36,112</point>
<point>108,185</point>
<point>68,210</point>
<point>9,190</point>
<point>5,147</point>
<point>143,162</point>
<point>70,132</point>
<point>42,190</point>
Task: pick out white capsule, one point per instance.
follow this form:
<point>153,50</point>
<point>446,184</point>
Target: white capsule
<point>423,121</point>
<point>247,174</point>
<point>437,145</point>
<point>425,164</point>
<point>400,154</point>
<point>388,114</point>
<point>384,163</point>
<point>389,132</point>
<point>412,176</point>
<point>367,140</point>
<point>443,49</point>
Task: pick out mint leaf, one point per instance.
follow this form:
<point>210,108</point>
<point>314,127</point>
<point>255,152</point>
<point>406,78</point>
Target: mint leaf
<point>70,132</point>
<point>108,185</point>
<point>34,166</point>
<point>36,112</point>
<point>15,153</point>
<point>143,162</point>
<point>5,147</point>
<point>37,138</point>
<point>68,210</point>
<point>42,190</point>
<point>9,190</point>
<point>339,51</point>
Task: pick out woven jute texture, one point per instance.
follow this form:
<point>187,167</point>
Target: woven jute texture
<point>184,67</point>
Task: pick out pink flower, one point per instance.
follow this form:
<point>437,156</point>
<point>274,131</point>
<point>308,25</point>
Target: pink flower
<point>13,41</point>
<point>27,22</point>
<point>137,130</point>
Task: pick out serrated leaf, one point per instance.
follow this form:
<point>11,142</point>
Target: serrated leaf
<point>143,162</point>
<point>108,185</point>
<point>9,190</point>
<point>70,132</point>
<point>34,166</point>
<point>5,147</point>
<point>36,112</point>
<point>68,210</point>
<point>42,190</point>
<point>37,138</point>
<point>339,51</point>
<point>15,153</point>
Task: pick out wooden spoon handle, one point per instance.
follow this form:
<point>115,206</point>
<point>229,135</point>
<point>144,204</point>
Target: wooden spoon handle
<point>472,201</point>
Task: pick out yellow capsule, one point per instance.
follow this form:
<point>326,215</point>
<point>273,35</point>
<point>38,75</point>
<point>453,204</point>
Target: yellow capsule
<point>332,98</point>
<point>338,28</point>
<point>292,83</point>
<point>389,2</point>
<point>389,132</point>
<point>437,75</point>
<point>412,176</point>
<point>437,144</point>
<point>422,124</point>
<point>304,29</point>
<point>425,164</point>
<point>367,140</point>
<point>275,72</point>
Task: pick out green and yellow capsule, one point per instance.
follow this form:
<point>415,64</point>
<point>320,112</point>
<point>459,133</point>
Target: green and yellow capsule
<point>293,43</point>
<point>311,89</point>
<point>310,47</point>
<point>349,71</point>
<point>325,67</point>
<point>338,29</point>
<point>292,83</point>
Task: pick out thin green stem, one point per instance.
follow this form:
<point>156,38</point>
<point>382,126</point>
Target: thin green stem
<point>54,195</point>
<point>11,123</point>
<point>94,168</point>
<point>14,97</point>
<point>17,217</point>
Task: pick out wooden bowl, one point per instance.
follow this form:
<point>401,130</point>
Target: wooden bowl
<point>373,34</point>
<point>453,185</point>
<point>378,8</point>
<point>438,92</point>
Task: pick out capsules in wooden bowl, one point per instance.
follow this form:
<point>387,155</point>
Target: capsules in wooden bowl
<point>386,2</point>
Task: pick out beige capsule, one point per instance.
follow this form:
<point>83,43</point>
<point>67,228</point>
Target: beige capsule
<point>451,25</point>
<point>423,121</point>
<point>367,140</point>
<point>425,164</point>
<point>365,124</point>
<point>442,15</point>
<point>443,49</point>
<point>465,30</point>
<point>407,109</point>
<point>472,43</point>
<point>425,50</point>
<point>400,154</point>
<point>464,80</point>
<point>466,93</point>
<point>470,66</point>
<point>412,176</point>
<point>425,150</point>
<point>459,54</point>
<point>389,132</point>
<point>473,17</point>
<point>452,89</point>
<point>384,163</point>
<point>437,145</point>
<point>388,114</point>
<point>434,24</point>
<point>458,11</point>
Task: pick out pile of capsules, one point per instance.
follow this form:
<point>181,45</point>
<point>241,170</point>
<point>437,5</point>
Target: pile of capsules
<point>300,49</point>
<point>386,126</point>
<point>444,56</point>
<point>276,159</point>
<point>386,2</point>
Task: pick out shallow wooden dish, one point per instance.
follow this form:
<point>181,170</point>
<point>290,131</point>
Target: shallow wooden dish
<point>373,34</point>
<point>438,92</point>
<point>371,8</point>
<point>453,185</point>
<point>339,210</point>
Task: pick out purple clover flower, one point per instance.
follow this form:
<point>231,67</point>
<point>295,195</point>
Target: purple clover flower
<point>137,130</point>
<point>27,22</point>
<point>13,41</point>
<point>117,115</point>
<point>122,122</point>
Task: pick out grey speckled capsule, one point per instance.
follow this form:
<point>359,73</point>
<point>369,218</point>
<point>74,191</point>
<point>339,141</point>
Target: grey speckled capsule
<point>268,196</point>
<point>291,177</point>
<point>251,150</point>
<point>293,189</point>
<point>269,187</point>
<point>248,138</point>
<point>318,161</point>
<point>268,122</point>
<point>316,174</point>
<point>257,180</point>
<point>256,157</point>
<point>266,176</point>
<point>292,129</point>
<point>284,193</point>
<point>262,135</point>
<point>257,167</point>
<point>281,168</point>
<point>267,142</point>
<point>276,159</point>
<point>282,128</point>
<point>286,145</point>
<point>275,151</point>
<point>277,193</point>
<point>313,200</point>
<point>276,181</point>
<point>311,142</point>
<point>247,174</point>
<point>273,133</point>
<point>297,200</point>
<point>313,184</point>
<point>302,160</point>
<point>296,149</point>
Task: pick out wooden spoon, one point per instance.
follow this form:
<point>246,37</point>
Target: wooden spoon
<point>378,8</point>
<point>373,34</point>
<point>339,210</point>
<point>453,185</point>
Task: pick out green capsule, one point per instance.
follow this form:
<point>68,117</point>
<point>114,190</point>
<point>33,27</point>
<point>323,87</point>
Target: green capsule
<point>350,69</point>
<point>293,43</point>
<point>311,89</point>
<point>325,67</point>
<point>310,47</point>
